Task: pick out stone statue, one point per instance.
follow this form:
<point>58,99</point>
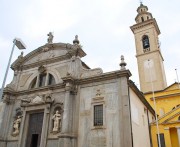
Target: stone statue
<point>16,125</point>
<point>57,120</point>
<point>50,38</point>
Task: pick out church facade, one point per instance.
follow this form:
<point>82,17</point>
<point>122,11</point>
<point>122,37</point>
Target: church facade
<point>56,100</point>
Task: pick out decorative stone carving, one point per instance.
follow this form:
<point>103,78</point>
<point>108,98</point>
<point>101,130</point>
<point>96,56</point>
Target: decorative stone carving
<point>50,38</point>
<point>56,121</point>
<point>42,69</point>
<point>21,56</point>
<point>37,99</point>
<point>91,72</point>
<point>32,101</point>
<point>25,101</point>
<point>98,93</point>
<point>16,125</point>
<point>45,49</point>
<point>48,98</point>
<point>6,99</point>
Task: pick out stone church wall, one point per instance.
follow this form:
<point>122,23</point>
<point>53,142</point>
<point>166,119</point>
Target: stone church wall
<point>107,135</point>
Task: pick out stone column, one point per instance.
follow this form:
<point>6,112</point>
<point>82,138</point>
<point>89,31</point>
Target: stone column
<point>178,132</point>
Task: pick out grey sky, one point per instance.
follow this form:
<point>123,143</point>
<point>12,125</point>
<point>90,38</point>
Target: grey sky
<point>102,26</point>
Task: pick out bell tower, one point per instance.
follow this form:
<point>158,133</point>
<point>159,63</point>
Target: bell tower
<point>148,52</point>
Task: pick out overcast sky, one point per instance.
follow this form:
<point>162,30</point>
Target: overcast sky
<point>102,27</point>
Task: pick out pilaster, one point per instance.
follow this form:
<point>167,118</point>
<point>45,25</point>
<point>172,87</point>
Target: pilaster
<point>67,121</point>
<point>125,114</point>
<point>167,137</point>
<point>178,133</point>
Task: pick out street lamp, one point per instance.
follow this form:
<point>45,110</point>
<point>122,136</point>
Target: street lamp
<point>20,45</point>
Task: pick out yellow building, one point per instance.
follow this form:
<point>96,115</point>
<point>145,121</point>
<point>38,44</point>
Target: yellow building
<point>168,109</point>
<point>152,78</point>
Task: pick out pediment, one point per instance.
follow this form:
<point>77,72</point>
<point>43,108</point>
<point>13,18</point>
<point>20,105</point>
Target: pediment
<point>170,117</point>
<point>48,53</point>
<point>174,86</point>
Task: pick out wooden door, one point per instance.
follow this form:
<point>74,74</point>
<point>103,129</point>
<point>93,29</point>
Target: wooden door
<point>34,130</point>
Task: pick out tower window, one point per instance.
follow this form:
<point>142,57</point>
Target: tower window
<point>147,17</point>
<point>98,115</point>
<point>142,19</point>
<point>145,42</point>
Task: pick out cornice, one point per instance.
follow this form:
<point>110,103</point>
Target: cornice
<point>142,14</point>
<point>73,82</point>
<point>146,23</point>
<point>138,55</point>
<point>104,76</point>
<point>34,90</point>
<point>166,121</point>
<point>166,96</point>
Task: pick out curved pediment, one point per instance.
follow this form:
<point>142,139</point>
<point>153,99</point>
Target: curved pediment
<point>48,53</point>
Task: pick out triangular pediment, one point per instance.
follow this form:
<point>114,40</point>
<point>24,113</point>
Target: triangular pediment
<point>170,117</point>
<point>173,86</point>
<point>49,53</point>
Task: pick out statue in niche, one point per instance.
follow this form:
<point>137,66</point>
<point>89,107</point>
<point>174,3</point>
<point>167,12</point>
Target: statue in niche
<point>56,121</point>
<point>50,38</point>
<point>16,125</point>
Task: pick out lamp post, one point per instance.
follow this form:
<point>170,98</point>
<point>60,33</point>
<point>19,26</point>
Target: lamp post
<point>20,45</point>
<point>154,100</point>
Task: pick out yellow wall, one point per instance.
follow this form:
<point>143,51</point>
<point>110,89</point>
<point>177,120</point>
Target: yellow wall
<point>165,100</point>
<point>168,123</point>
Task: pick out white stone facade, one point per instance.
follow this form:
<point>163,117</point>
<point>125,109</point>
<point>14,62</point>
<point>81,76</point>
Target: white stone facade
<point>54,94</point>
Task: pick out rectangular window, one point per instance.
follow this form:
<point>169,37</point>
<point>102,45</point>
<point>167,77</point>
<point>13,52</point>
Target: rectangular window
<point>162,140</point>
<point>98,115</point>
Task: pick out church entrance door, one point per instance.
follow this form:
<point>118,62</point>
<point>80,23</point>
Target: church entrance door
<point>34,130</point>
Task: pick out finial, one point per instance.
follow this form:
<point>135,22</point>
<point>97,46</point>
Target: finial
<point>76,41</point>
<point>141,2</point>
<point>122,64</point>
<point>50,38</point>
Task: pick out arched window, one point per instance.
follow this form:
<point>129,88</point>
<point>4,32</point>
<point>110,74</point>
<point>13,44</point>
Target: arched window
<point>145,42</point>
<point>51,80</point>
<point>44,79</point>
<point>142,19</point>
<point>179,118</point>
<point>33,83</point>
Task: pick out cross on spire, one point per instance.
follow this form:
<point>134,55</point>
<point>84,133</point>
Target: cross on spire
<point>141,1</point>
